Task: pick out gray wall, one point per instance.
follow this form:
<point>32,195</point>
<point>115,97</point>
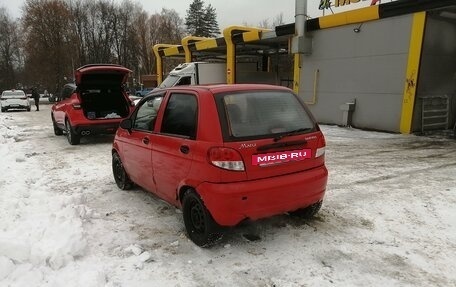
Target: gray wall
<point>438,64</point>
<point>368,67</point>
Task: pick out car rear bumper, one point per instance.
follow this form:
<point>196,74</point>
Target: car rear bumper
<point>16,106</point>
<point>97,128</point>
<point>231,203</point>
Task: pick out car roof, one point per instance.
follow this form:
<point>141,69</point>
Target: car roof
<point>222,88</point>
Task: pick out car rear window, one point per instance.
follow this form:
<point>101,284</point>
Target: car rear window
<point>258,114</point>
<point>7,94</point>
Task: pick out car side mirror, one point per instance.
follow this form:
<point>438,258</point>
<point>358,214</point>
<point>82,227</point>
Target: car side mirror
<point>126,124</point>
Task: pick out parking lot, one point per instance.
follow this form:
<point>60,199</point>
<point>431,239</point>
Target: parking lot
<point>388,219</point>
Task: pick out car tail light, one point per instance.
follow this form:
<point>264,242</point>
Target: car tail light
<point>320,146</point>
<point>226,158</point>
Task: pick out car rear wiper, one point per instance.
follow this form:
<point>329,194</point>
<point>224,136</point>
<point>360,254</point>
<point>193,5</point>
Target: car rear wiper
<point>291,133</point>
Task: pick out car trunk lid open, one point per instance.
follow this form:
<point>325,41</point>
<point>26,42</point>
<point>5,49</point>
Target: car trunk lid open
<point>101,89</point>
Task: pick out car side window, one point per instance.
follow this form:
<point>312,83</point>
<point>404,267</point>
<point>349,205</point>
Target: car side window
<point>184,81</point>
<point>147,114</point>
<point>66,92</point>
<point>180,116</point>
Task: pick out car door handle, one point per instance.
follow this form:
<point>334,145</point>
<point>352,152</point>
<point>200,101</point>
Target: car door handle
<point>184,149</point>
<point>145,140</point>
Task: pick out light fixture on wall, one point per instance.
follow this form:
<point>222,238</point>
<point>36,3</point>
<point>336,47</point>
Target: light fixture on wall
<point>358,29</point>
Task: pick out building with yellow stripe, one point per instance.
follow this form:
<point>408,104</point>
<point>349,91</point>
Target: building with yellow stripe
<point>394,64</point>
<point>388,67</point>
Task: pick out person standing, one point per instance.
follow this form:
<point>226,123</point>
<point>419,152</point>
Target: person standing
<point>36,97</point>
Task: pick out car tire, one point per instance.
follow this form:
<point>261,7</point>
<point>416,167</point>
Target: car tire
<point>29,109</point>
<point>120,175</point>
<point>199,224</point>
<point>57,130</point>
<point>73,138</point>
<point>309,211</point>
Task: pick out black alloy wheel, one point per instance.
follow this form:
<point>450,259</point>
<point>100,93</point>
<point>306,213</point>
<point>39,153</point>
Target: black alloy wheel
<point>201,227</point>
<point>120,175</point>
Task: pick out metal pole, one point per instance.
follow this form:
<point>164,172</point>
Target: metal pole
<point>300,17</point>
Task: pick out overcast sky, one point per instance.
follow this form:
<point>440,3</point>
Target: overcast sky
<point>229,12</point>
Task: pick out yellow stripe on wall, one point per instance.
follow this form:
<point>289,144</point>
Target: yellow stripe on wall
<point>413,66</point>
<point>354,16</point>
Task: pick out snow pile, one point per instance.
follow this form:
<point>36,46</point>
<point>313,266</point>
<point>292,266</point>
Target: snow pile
<point>112,116</point>
<point>40,228</point>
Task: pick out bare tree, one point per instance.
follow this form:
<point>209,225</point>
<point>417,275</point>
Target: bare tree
<point>9,51</point>
<point>167,28</point>
<point>264,23</point>
<point>278,20</point>
<point>144,44</point>
<point>62,35</point>
<point>99,32</point>
<point>48,42</point>
<point>79,21</point>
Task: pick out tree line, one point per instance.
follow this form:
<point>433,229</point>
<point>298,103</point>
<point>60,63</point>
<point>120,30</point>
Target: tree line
<point>52,38</point>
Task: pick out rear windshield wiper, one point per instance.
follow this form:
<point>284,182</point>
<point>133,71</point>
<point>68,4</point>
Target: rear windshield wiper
<point>291,133</point>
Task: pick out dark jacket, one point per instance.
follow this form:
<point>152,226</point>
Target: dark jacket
<point>35,94</point>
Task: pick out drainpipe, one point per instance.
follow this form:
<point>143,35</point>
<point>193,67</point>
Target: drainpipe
<point>300,17</point>
<point>300,44</point>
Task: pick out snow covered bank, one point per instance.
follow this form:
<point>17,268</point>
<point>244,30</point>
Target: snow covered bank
<point>388,219</point>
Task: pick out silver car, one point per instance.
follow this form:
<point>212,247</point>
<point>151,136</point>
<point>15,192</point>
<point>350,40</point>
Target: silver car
<point>14,99</point>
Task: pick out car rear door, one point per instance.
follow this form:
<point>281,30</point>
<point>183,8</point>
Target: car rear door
<point>60,107</point>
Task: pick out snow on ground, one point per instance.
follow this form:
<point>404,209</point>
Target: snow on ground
<point>388,219</point>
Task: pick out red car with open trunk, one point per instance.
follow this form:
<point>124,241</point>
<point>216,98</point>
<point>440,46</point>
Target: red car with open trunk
<point>95,104</point>
<point>223,153</point>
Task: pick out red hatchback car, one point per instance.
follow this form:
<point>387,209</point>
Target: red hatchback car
<point>95,104</point>
<point>223,153</point>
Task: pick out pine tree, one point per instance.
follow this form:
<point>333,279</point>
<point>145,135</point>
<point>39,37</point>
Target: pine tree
<point>210,19</point>
<point>195,18</point>
<point>201,21</point>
